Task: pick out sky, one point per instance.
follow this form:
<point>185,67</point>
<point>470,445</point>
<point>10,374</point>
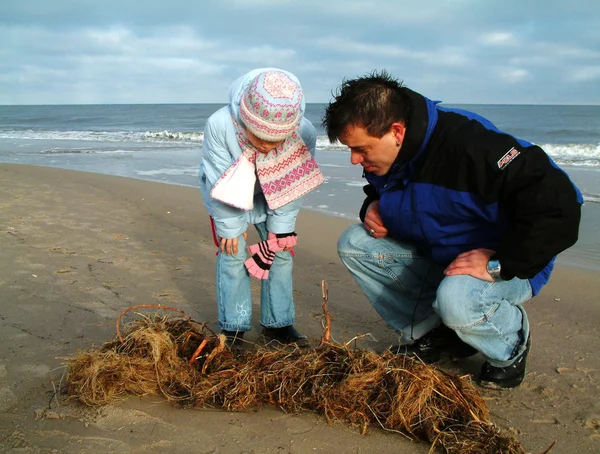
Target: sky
<point>189,51</point>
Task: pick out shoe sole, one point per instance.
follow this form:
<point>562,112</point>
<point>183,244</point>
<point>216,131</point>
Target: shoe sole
<point>504,384</point>
<point>500,385</point>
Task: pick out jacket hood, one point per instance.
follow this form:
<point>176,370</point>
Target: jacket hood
<point>420,123</point>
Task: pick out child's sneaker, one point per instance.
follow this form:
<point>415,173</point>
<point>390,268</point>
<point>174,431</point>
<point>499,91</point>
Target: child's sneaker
<point>233,339</point>
<point>285,335</point>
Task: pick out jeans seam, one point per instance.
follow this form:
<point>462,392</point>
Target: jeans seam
<point>377,257</point>
<point>393,276</point>
<point>381,262</point>
<point>485,318</point>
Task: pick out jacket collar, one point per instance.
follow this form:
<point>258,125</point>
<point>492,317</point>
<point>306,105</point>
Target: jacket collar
<point>421,121</point>
<point>416,129</point>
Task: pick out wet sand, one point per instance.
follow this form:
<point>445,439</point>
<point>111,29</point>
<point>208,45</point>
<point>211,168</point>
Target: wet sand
<point>79,248</point>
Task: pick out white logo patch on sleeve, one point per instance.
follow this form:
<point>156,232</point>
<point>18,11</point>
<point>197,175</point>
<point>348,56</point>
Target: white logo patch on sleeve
<point>508,157</point>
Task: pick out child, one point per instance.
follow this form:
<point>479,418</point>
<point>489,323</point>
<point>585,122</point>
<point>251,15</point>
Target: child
<point>257,162</point>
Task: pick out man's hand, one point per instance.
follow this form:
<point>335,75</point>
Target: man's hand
<point>473,263</point>
<point>230,245</point>
<point>373,222</point>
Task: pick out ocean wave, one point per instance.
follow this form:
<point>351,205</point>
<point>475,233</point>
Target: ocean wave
<point>168,172</point>
<point>592,198</point>
<point>107,136</point>
<point>587,155</point>
<point>336,166</point>
<point>324,144</point>
<point>576,154</point>
<point>82,151</point>
<point>170,136</point>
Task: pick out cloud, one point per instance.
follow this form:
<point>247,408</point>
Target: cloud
<point>462,51</point>
<point>586,74</point>
<point>515,75</point>
<point>499,39</point>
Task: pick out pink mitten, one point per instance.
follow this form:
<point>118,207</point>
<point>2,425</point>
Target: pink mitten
<point>255,270</point>
<point>285,240</point>
<point>262,254</point>
<point>261,258</point>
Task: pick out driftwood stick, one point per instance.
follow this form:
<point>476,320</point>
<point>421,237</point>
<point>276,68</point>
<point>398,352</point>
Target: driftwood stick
<point>327,329</point>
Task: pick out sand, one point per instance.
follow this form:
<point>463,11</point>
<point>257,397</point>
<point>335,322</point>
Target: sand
<point>78,248</point>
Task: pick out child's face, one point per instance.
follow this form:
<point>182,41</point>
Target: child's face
<point>264,146</point>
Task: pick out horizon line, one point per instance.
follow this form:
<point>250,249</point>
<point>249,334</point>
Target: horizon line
<point>308,103</point>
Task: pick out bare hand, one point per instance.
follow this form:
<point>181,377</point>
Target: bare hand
<point>474,263</point>
<point>230,245</point>
<point>373,222</point>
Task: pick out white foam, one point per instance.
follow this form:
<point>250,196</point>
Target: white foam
<point>107,136</point>
<point>324,144</point>
<point>173,172</point>
<point>83,151</point>
<point>587,155</point>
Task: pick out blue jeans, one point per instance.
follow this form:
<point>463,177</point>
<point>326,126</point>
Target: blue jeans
<point>234,299</point>
<point>412,294</point>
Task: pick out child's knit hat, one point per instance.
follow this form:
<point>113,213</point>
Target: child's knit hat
<point>270,106</point>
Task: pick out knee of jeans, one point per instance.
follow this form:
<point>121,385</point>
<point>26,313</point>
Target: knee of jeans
<point>454,303</point>
<point>283,258</point>
<point>348,242</point>
<point>232,260</point>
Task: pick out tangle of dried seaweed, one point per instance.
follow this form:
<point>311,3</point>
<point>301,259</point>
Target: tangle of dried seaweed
<point>188,364</point>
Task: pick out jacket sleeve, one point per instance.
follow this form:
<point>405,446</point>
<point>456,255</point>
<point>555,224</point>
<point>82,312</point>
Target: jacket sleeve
<point>372,195</point>
<point>541,205</point>
<point>283,219</point>
<point>309,135</point>
<point>230,222</point>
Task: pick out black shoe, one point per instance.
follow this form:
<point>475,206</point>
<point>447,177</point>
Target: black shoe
<point>285,335</point>
<point>437,343</point>
<point>233,339</point>
<point>508,376</point>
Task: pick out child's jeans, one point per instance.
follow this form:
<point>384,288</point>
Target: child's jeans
<point>234,299</point>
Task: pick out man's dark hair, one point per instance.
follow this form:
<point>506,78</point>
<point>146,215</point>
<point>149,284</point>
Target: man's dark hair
<point>373,102</point>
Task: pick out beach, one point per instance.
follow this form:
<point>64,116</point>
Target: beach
<point>79,248</point>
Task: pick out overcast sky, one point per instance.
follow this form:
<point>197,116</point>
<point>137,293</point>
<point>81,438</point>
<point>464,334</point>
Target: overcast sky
<point>189,51</point>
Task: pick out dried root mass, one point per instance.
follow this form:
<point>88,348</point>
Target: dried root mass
<point>187,363</point>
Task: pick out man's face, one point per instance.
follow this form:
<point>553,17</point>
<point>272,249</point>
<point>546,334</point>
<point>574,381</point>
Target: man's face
<point>375,154</point>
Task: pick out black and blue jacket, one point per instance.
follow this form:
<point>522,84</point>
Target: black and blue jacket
<point>460,184</point>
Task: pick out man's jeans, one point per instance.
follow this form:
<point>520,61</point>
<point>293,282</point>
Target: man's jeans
<point>234,299</point>
<point>412,294</point>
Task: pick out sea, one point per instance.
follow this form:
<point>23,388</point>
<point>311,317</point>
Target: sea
<point>162,143</point>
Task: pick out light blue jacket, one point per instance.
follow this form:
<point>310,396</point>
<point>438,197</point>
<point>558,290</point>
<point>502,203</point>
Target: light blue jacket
<point>220,150</point>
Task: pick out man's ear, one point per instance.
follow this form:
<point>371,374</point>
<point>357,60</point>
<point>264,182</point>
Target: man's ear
<point>398,130</point>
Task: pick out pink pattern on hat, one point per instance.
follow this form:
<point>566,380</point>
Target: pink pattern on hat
<point>270,106</point>
<point>279,87</point>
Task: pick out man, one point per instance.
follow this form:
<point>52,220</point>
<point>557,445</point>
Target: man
<point>461,224</point>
